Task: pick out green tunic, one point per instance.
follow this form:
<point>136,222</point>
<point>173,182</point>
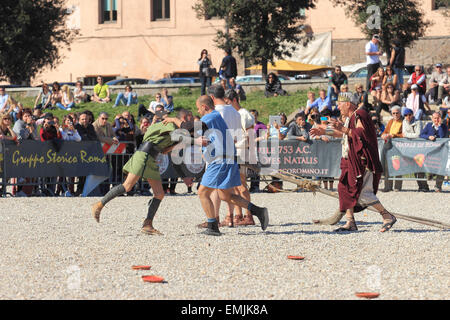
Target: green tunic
<point>141,163</point>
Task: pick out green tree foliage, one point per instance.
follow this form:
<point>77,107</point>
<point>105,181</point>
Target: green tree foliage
<point>260,30</point>
<point>399,19</point>
<point>32,32</point>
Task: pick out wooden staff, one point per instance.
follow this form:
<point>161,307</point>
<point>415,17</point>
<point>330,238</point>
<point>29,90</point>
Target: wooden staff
<point>314,187</point>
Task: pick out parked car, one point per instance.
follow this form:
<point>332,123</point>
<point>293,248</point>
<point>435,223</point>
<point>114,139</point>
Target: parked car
<point>362,72</point>
<point>178,80</point>
<point>130,81</point>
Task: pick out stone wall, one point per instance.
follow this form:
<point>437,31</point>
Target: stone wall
<point>425,51</point>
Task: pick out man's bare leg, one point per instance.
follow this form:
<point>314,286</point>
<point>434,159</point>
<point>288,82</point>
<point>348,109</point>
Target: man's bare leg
<point>351,224</point>
<point>129,183</point>
<point>205,194</point>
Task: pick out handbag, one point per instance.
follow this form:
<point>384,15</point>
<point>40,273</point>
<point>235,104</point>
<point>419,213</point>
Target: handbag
<point>211,72</point>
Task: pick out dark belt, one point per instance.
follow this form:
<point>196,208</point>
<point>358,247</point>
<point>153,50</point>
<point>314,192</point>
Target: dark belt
<point>149,148</point>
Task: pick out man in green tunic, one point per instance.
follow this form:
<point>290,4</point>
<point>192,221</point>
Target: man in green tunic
<point>142,164</point>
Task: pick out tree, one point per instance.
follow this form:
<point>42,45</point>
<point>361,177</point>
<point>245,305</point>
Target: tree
<point>32,32</point>
<point>260,30</point>
<point>399,19</point>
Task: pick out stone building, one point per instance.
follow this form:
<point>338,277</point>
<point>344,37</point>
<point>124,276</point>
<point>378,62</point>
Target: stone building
<point>153,38</point>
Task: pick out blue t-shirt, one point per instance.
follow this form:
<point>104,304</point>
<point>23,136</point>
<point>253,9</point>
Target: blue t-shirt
<point>3,100</point>
<point>221,141</point>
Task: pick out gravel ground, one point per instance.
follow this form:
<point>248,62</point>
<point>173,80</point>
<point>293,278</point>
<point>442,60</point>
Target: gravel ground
<point>53,249</point>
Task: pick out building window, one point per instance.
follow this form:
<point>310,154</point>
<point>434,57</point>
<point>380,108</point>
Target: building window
<point>440,4</point>
<point>108,8</point>
<point>160,9</point>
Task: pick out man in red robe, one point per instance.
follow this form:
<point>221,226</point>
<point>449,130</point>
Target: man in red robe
<point>360,164</point>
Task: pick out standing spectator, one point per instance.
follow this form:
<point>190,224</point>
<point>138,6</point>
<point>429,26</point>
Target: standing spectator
<point>67,98</point>
<point>417,78</point>
<point>416,102</point>
<point>260,129</point>
<point>204,63</point>
<point>391,77</point>
<point>229,66</point>
<point>239,89</point>
<point>68,130</point>
<point>45,96</point>
<point>393,130</point>
<point>101,91</point>
<point>3,100</point>
<point>128,98</point>
<point>79,94</point>
<point>322,102</point>
<point>436,90</point>
<point>373,54</point>
<point>49,132</point>
<point>86,131</point>
<point>25,128</point>
<point>397,61</point>
<point>432,131</point>
<point>411,129</point>
<point>336,80</point>
<point>273,86</point>
<point>105,134</point>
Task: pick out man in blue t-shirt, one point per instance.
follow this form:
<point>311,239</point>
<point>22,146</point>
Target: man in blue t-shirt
<point>222,171</point>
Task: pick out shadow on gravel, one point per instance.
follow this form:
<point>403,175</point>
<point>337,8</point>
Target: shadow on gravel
<point>418,231</point>
<point>302,232</point>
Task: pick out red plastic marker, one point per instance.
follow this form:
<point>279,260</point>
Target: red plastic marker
<point>367,295</point>
<point>296,257</point>
<point>140,267</point>
<point>153,279</point>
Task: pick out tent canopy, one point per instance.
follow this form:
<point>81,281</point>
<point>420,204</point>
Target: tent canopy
<point>287,65</point>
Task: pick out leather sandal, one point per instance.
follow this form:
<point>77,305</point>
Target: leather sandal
<point>228,222</point>
<point>348,228</point>
<point>247,221</point>
<point>237,220</point>
<point>388,225</point>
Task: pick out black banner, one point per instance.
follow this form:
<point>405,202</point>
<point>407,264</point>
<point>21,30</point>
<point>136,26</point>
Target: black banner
<point>41,159</point>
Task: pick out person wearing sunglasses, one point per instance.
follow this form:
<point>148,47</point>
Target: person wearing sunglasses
<point>393,130</point>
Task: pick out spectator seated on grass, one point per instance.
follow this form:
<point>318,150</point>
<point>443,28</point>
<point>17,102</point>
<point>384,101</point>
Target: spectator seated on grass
<point>416,102</point>
<point>4,103</point>
<point>67,100</point>
<point>127,98</point>
<point>238,89</point>
<point>167,100</point>
<point>311,98</point>
<point>79,94</point>
<point>273,86</point>
<point>389,98</point>
<point>322,102</point>
<point>44,96</point>
<point>376,84</point>
<point>418,78</point>
<point>438,77</point>
<point>101,92</point>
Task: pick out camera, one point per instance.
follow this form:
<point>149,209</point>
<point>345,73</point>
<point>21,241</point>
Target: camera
<point>34,118</point>
<point>314,116</point>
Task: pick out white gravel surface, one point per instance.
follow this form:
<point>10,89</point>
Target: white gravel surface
<point>51,248</point>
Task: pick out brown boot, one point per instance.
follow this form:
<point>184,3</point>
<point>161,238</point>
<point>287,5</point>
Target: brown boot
<point>147,228</point>
<point>96,209</point>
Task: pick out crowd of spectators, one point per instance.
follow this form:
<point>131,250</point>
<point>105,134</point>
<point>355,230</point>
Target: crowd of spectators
<point>407,104</point>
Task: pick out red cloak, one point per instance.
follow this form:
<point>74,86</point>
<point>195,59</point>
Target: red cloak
<point>362,154</point>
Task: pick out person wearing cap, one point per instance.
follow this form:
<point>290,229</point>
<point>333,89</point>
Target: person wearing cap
<point>434,94</point>
<point>416,102</point>
<point>392,130</point>
<point>373,54</point>
<point>434,130</point>
<point>222,170</point>
<point>360,163</point>
<point>411,129</point>
<point>157,140</point>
